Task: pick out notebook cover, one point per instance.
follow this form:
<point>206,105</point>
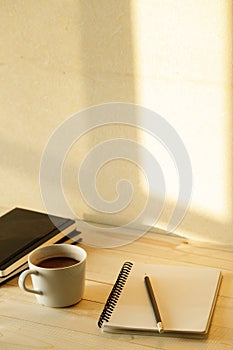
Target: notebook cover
<point>22,230</point>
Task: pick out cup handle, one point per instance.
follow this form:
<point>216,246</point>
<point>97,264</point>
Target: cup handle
<point>22,281</point>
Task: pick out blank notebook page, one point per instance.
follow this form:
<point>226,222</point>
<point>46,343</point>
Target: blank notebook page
<point>185,296</point>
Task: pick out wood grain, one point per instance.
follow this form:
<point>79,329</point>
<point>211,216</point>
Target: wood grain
<point>24,324</point>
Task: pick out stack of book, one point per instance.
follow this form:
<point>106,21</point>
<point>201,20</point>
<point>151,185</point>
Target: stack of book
<point>23,230</point>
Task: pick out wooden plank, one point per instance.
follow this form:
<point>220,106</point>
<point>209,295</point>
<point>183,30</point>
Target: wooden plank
<point>24,324</point>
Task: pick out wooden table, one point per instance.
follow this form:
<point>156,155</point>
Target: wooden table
<point>24,324</point>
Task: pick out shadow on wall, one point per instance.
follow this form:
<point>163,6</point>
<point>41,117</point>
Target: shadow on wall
<point>107,51</point>
<point>111,76</point>
<point>106,55</point>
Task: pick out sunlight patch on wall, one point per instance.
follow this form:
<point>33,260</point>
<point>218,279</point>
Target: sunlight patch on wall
<point>183,57</point>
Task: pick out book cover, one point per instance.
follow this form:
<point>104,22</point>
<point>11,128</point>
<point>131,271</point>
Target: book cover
<point>22,230</point>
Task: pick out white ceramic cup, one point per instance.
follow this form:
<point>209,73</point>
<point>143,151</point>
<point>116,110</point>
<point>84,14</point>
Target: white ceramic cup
<point>59,286</point>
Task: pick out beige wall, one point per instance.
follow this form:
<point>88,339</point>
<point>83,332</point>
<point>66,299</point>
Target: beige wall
<point>58,57</point>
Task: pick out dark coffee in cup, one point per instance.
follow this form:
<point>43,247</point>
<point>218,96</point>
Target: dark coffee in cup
<point>57,262</point>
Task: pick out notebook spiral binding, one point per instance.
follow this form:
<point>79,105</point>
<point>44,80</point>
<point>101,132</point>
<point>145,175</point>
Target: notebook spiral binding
<point>115,293</point>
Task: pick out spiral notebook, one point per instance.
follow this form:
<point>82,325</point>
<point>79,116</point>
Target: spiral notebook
<point>186,297</point>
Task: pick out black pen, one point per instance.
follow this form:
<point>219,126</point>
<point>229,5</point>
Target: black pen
<point>154,305</point>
